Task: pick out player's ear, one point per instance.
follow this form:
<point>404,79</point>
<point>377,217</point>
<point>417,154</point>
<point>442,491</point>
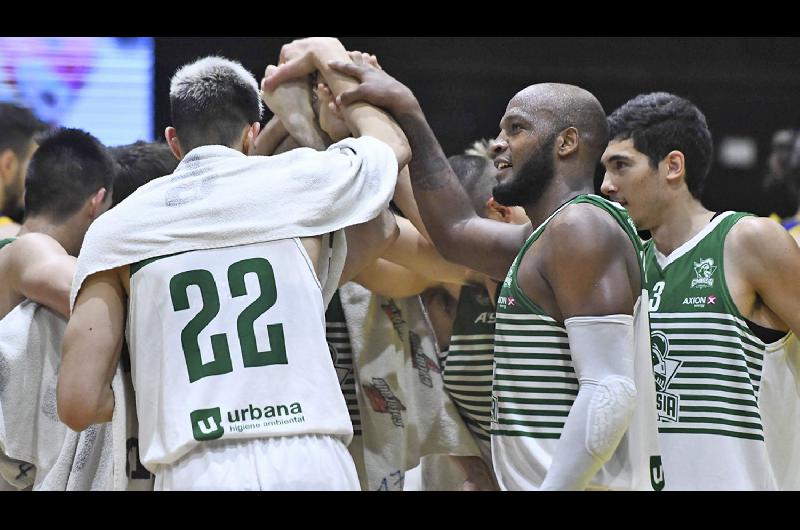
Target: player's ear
<point>174,144</point>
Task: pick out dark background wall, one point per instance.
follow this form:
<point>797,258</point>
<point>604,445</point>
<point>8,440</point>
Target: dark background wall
<point>746,86</point>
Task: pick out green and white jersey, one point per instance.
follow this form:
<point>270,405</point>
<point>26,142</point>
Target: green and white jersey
<point>229,343</point>
<point>708,368</point>
<point>468,368</point>
<point>535,385</point>
<point>338,338</point>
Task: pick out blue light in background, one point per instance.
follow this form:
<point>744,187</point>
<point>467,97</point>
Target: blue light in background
<point>103,85</point>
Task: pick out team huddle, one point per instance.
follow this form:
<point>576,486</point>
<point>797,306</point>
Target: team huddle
<point>329,301</point>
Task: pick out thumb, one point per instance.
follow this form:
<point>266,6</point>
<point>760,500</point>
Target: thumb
<point>349,97</point>
<point>285,72</point>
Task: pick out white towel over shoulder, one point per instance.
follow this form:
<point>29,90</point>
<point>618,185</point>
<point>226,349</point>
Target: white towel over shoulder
<point>218,197</point>
<point>30,353</point>
<point>37,449</point>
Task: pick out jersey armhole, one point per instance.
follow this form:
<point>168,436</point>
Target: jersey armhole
<point>307,258</point>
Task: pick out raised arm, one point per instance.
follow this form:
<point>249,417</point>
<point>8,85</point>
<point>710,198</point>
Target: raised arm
<point>457,231</point>
<point>90,352</point>
<point>366,242</point>
<point>291,104</point>
<point>412,251</point>
<point>332,122</point>
<point>391,280</point>
<point>304,56</point>
<point>271,136</point>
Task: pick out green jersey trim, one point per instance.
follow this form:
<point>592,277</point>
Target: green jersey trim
<point>139,265</point>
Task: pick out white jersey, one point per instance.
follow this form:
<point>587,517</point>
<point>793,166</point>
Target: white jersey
<point>710,369</point>
<point>229,343</point>
<point>535,385</point>
<point>779,404</point>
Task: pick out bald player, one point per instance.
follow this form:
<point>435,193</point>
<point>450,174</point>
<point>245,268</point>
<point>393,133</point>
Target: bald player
<point>572,335</point>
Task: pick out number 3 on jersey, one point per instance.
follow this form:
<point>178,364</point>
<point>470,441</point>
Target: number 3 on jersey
<point>209,293</point>
<point>655,296</point>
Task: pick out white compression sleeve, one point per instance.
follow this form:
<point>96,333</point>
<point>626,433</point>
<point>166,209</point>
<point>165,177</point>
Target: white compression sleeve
<point>602,353</point>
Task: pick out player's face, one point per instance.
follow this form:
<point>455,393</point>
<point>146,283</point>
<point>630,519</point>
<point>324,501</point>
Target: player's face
<point>16,187</point>
<point>631,181</point>
<point>523,156</point>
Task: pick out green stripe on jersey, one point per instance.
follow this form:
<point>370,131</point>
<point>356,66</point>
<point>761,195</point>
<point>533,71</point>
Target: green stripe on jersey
<point>535,383</point>
<point>342,354</point>
<point>706,360</point>
<point>468,367</point>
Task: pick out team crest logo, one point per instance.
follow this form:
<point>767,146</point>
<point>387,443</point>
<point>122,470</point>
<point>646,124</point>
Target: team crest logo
<point>704,272</point>
<point>664,370</point>
<point>383,400</point>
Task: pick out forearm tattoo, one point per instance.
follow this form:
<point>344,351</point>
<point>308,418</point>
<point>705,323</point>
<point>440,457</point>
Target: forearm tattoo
<point>428,167</point>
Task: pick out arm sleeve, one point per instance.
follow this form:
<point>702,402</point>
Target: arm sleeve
<point>602,353</point>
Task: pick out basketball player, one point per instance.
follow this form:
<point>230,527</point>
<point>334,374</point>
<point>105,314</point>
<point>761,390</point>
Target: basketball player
<point>571,331</point>
<point>18,129</point>
<point>234,382</point>
<point>724,290</point>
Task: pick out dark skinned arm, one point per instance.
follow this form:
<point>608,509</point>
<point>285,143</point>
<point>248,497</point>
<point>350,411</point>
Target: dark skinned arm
<point>457,231</point>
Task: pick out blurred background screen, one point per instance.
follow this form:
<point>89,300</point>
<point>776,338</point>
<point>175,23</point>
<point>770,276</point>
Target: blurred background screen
<point>103,85</point>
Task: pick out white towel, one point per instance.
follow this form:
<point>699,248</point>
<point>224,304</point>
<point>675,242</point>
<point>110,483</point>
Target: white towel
<point>30,354</point>
<point>405,411</point>
<point>242,200</point>
<point>43,448</point>
<point>103,457</point>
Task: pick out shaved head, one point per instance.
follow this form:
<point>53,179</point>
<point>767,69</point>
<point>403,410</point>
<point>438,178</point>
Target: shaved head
<point>535,119</point>
<point>562,106</point>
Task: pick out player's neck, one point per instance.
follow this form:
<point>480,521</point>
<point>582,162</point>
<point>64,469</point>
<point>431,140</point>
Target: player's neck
<point>559,192</point>
<point>680,221</point>
<point>63,232</point>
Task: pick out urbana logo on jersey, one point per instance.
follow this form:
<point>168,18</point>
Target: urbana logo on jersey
<point>656,473</point>
<point>207,424</point>
<point>700,301</point>
<point>421,362</point>
<point>664,370</point>
<point>704,272</point>
<point>383,400</point>
<point>395,316</point>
